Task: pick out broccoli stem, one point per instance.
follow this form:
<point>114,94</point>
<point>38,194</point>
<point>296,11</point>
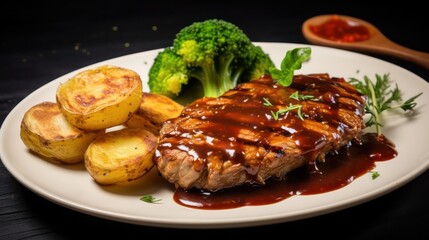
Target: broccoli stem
<point>217,77</point>
<point>207,76</point>
<point>224,71</point>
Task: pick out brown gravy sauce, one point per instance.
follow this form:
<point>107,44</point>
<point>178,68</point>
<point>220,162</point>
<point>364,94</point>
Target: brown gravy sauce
<point>224,128</point>
<point>337,171</point>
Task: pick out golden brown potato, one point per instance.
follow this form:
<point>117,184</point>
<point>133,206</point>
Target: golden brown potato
<point>46,131</point>
<point>120,156</point>
<point>153,111</point>
<point>100,98</point>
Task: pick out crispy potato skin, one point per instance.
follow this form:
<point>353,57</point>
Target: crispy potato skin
<point>46,131</point>
<point>74,129</point>
<point>120,156</point>
<point>153,111</point>
<point>100,98</point>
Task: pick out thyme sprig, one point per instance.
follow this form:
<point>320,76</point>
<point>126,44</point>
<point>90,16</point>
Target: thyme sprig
<point>267,102</point>
<point>300,97</point>
<point>150,199</point>
<point>381,98</point>
<point>374,174</point>
<point>291,106</point>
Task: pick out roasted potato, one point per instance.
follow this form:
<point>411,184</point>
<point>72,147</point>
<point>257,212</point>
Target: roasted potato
<point>120,156</point>
<point>46,131</point>
<point>153,111</point>
<point>100,98</point>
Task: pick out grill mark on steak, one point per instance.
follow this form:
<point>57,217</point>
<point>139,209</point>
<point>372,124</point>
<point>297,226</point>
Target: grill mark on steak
<point>233,139</point>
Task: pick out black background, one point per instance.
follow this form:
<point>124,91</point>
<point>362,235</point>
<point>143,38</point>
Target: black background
<point>41,41</point>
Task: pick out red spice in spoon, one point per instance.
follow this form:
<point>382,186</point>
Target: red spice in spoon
<point>340,30</point>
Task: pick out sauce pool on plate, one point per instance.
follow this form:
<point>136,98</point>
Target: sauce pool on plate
<point>337,171</point>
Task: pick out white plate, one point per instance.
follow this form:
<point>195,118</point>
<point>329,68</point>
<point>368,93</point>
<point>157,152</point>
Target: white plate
<point>72,186</point>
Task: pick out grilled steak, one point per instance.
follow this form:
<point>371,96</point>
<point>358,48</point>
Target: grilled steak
<point>258,131</point>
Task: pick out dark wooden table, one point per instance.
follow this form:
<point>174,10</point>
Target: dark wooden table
<point>42,42</point>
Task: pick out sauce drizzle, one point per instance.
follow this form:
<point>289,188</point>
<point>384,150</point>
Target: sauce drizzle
<point>237,129</point>
<point>233,146</point>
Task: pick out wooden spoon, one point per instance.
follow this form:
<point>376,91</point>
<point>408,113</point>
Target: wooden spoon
<point>377,42</point>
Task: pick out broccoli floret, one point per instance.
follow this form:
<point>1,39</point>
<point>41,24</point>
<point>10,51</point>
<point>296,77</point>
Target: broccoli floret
<point>215,52</point>
<point>260,66</point>
<point>167,74</point>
